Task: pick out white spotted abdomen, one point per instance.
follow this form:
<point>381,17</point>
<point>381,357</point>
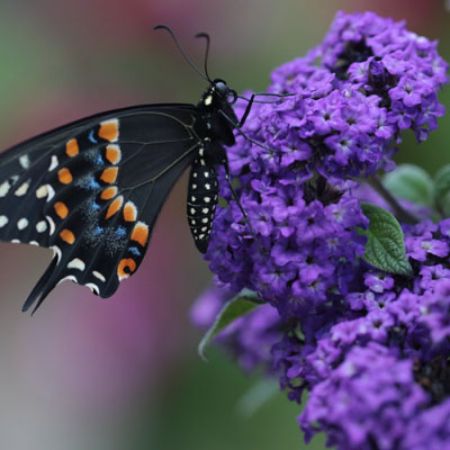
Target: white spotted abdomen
<point>201,202</point>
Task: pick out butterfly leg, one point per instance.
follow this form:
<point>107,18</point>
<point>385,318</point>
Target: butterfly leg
<point>246,112</point>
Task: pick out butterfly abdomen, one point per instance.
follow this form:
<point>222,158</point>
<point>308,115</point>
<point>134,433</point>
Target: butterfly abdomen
<point>201,201</point>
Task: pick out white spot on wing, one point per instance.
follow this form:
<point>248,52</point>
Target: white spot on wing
<point>3,221</point>
<point>42,191</point>
<point>68,277</point>
<point>22,189</point>
<point>24,161</point>
<point>51,224</point>
<point>53,163</point>
<point>56,252</point>
<point>22,223</point>
<point>99,276</point>
<point>50,192</point>
<point>76,264</point>
<point>41,226</point>
<point>93,287</point>
<point>4,189</point>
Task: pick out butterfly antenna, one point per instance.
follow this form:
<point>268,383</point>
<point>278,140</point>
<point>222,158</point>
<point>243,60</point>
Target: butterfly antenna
<point>180,49</point>
<point>205,62</point>
<point>272,94</point>
<point>266,94</point>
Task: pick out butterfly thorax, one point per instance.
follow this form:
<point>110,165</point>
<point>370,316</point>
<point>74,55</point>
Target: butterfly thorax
<point>218,117</point>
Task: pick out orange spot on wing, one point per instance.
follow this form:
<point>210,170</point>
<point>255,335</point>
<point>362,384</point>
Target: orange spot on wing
<point>64,176</point>
<point>140,234</point>
<point>72,148</point>
<point>109,175</point>
<point>67,236</point>
<point>109,130</point>
<point>113,154</point>
<point>114,207</point>
<point>125,268</point>
<point>61,209</point>
<point>109,193</point>
<point>130,212</point>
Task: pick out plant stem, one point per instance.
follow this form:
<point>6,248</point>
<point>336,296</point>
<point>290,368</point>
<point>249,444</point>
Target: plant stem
<point>402,214</point>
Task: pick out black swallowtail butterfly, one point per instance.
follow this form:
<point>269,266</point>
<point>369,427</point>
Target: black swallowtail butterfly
<point>91,190</point>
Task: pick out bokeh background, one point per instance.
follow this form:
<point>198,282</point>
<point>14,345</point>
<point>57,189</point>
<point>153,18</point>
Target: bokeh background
<point>124,374</point>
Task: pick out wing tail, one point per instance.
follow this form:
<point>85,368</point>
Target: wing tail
<point>42,288</point>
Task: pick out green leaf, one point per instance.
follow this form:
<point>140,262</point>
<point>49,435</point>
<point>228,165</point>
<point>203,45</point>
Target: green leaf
<point>237,307</point>
<point>411,183</point>
<point>385,247</point>
<point>257,396</point>
<point>442,190</point>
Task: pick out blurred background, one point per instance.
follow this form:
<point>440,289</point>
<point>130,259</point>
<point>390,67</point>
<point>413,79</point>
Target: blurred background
<point>85,373</point>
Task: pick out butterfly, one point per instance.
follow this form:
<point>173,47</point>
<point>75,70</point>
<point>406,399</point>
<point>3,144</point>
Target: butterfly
<point>92,190</point>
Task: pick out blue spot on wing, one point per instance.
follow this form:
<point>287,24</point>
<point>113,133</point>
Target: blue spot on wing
<point>92,137</point>
<point>121,232</point>
<point>94,206</point>
<point>89,183</point>
<point>95,157</point>
<point>99,160</point>
<point>93,184</point>
<point>98,231</point>
<point>135,251</point>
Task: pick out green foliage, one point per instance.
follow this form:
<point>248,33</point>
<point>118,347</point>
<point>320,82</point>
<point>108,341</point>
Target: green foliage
<point>237,307</point>
<point>410,182</point>
<point>257,396</point>
<point>442,190</point>
<point>385,247</point>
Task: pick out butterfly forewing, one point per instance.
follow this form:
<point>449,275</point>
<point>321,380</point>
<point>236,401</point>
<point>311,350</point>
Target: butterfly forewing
<point>92,190</point>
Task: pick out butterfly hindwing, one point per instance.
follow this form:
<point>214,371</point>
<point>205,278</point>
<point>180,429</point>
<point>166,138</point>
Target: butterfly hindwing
<point>92,192</point>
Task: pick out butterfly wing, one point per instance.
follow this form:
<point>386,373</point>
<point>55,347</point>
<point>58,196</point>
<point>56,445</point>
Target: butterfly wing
<point>91,191</point>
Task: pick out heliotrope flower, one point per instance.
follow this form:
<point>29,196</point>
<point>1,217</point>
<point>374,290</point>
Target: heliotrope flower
<point>369,346</point>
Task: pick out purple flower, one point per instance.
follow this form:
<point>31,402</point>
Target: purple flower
<point>436,313</point>
<point>370,348</point>
<point>366,402</point>
<point>429,430</point>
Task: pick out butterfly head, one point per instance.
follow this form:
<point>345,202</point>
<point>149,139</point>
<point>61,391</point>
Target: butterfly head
<point>219,94</point>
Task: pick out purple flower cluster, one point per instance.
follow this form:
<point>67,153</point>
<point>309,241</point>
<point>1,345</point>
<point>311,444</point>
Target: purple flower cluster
<point>430,430</point>
<point>385,350</point>
<point>370,348</point>
<point>392,63</point>
<point>298,242</point>
<point>366,402</point>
